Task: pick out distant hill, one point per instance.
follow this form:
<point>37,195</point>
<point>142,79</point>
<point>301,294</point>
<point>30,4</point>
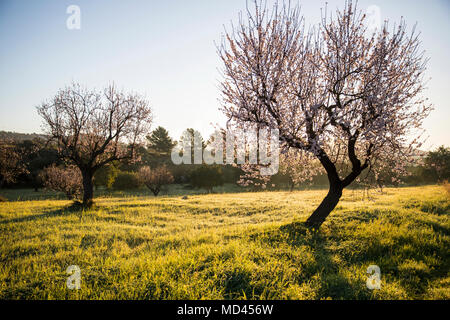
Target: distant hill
<point>17,136</point>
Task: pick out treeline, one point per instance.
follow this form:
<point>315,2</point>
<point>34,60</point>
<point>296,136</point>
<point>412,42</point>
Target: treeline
<point>34,163</point>
<point>30,161</point>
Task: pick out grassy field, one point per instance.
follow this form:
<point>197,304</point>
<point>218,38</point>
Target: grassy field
<point>227,246</point>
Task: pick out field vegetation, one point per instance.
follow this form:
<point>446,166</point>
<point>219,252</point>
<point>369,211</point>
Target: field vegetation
<point>226,245</point>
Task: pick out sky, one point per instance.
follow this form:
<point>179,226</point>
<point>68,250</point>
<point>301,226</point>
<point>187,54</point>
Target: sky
<point>166,50</point>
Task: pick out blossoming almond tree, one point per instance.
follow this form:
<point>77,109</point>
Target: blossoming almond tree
<point>155,178</point>
<point>93,128</point>
<point>337,91</point>
<point>67,180</point>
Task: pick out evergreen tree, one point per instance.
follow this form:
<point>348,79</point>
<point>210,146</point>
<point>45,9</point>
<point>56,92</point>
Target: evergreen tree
<point>159,142</point>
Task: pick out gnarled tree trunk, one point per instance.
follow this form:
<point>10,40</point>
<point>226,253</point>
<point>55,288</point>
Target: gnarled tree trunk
<point>88,188</point>
<point>326,206</point>
<point>336,186</point>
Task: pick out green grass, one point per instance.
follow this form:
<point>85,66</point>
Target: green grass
<point>172,190</point>
<point>227,246</point>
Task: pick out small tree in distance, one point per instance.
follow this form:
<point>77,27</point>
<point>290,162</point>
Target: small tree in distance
<point>439,163</point>
<point>343,94</point>
<point>160,142</point>
<point>159,147</point>
<point>93,128</point>
<point>67,180</point>
<point>156,178</point>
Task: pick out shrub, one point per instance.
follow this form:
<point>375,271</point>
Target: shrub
<point>67,180</point>
<point>181,173</point>
<point>126,181</point>
<point>106,175</point>
<point>438,162</point>
<point>154,179</point>
<point>207,177</point>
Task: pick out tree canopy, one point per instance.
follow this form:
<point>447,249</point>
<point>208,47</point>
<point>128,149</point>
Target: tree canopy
<point>347,96</point>
<point>92,128</point>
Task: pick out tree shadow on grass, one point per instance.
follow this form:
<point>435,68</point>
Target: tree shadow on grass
<point>413,262</point>
<point>405,258</point>
<point>74,208</point>
<point>238,282</point>
<point>333,283</point>
<point>330,274</point>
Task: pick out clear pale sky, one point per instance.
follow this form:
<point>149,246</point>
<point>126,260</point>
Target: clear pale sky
<point>165,50</point>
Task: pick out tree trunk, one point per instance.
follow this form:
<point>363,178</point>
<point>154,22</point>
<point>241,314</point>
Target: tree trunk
<point>155,191</point>
<point>336,184</point>
<point>291,187</point>
<point>88,188</point>
<point>326,206</point>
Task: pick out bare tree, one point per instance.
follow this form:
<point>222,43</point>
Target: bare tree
<point>154,179</point>
<point>343,94</point>
<point>93,128</point>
